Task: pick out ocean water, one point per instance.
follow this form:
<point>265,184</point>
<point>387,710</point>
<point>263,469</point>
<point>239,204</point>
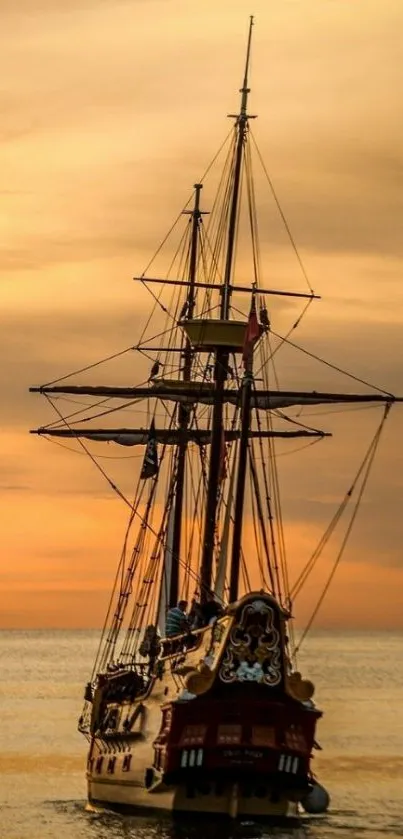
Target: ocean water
<point>359,685</point>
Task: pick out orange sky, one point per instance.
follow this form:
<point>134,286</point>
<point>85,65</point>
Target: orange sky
<point>111,111</point>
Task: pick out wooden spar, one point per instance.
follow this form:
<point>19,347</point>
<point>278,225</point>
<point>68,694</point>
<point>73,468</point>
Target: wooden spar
<point>183,410</point>
<point>252,335</point>
<point>240,486</point>
<point>199,391</point>
<point>232,288</point>
<point>221,356</point>
<point>220,375</point>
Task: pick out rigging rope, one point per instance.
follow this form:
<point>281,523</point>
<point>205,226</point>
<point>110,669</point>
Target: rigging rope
<point>88,367</point>
<point>368,462</point>
<point>336,518</point>
<point>102,654</point>
<point>284,220</point>
<point>290,331</point>
<point>253,223</point>
<point>255,483</point>
<point>332,366</point>
<point>113,485</point>
<point>100,456</point>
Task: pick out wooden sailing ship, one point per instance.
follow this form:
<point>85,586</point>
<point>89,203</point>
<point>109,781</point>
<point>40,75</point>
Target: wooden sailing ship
<point>216,718</point>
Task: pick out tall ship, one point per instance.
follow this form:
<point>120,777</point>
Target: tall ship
<point>195,703</point>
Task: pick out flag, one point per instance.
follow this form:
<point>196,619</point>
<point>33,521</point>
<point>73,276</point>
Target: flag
<point>150,462</point>
<point>252,333</point>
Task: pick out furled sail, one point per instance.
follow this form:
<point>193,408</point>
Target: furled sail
<point>204,393</point>
<point>140,437</point>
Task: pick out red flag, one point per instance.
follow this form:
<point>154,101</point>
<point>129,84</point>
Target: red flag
<point>252,333</point>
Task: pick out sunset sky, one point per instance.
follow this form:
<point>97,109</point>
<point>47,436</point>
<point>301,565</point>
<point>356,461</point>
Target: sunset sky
<point>110,112</point>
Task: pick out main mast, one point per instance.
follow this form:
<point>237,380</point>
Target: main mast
<point>221,359</point>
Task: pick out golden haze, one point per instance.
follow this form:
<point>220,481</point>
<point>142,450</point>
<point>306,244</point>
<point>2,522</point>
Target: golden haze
<point>111,112</point>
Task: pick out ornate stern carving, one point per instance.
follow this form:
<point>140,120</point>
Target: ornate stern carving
<point>247,645</point>
<point>254,650</point>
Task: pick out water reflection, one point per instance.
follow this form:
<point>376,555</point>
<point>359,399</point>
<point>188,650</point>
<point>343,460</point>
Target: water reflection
<point>70,820</point>
<point>112,826</point>
<point>42,758</point>
<point>338,824</point>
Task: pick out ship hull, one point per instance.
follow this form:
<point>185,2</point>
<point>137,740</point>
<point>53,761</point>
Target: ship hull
<point>226,794</point>
<point>218,731</point>
<point>229,801</point>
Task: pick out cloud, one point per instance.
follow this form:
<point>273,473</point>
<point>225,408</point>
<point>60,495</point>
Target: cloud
<point>104,152</point>
<point>15,488</point>
<point>34,9</point>
<point>344,198</point>
<point>110,112</point>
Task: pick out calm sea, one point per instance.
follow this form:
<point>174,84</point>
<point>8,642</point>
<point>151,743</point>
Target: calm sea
<point>359,682</point>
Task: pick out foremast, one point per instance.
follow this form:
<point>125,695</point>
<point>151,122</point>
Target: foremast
<point>183,410</point>
<point>221,372</point>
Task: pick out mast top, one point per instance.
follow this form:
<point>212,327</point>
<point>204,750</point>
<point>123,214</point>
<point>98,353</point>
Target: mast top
<point>245,89</point>
<point>243,115</point>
